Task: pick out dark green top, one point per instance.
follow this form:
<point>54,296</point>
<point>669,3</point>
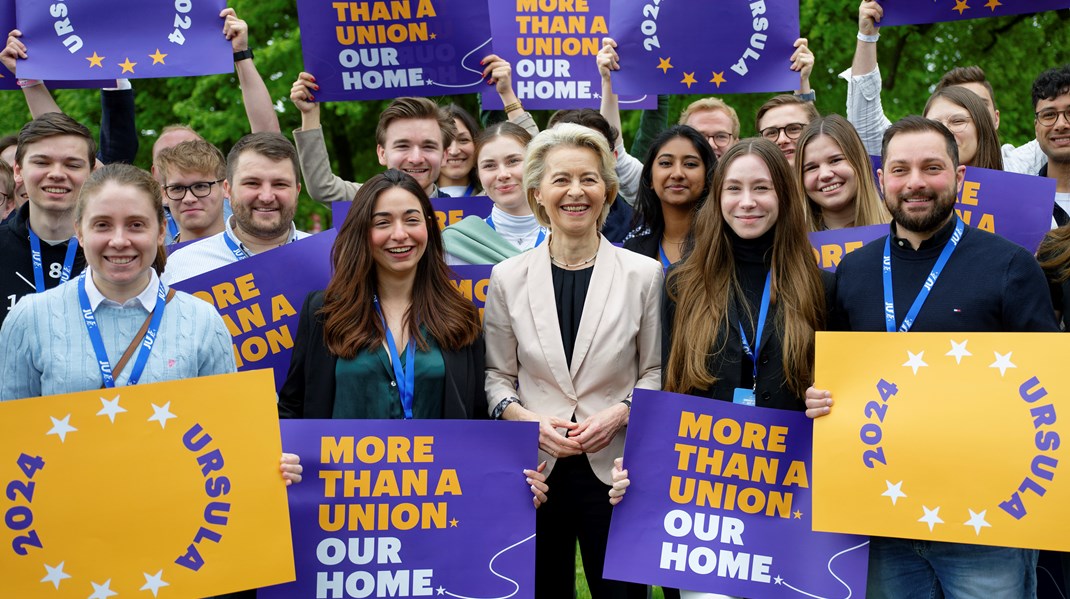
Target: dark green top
<point>365,387</point>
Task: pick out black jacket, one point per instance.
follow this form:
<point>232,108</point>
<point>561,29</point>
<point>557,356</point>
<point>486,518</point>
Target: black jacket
<point>309,388</point>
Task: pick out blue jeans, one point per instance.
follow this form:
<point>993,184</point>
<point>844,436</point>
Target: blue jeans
<point>908,569</point>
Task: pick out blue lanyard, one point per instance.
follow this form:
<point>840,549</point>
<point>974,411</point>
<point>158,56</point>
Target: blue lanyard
<point>98,342</point>
<point>538,240</point>
<point>238,252</point>
<point>915,308</point>
<point>469,191</point>
<point>763,312</point>
<point>664,259</point>
<point>172,226</point>
<point>38,267</point>
<point>406,379</point>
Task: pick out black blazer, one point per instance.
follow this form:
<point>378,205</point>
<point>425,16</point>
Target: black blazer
<point>309,388</point>
<point>646,245</point>
<point>771,389</point>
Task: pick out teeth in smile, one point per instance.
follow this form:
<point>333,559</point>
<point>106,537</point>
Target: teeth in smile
<point>574,208</point>
<point>399,250</point>
<point>832,187</point>
<point>55,189</point>
<point>126,260</point>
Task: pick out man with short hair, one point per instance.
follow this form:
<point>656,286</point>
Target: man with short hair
<point>263,183</point>
<point>866,113</point>
<point>715,120</point>
<point>192,173</point>
<point>411,136</point>
<point>782,119</point>
<point>976,282</point>
<point>1051,106</point>
<point>54,157</point>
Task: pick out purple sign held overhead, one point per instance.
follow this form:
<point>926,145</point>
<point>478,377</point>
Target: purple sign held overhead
<point>675,47</point>
<point>831,246</point>
<point>261,296</point>
<point>551,45</point>
<point>411,509</point>
<point>448,211</point>
<point>720,502</point>
<point>380,50</point>
<point>1017,207</point>
<point>912,12</point>
<point>86,40</point>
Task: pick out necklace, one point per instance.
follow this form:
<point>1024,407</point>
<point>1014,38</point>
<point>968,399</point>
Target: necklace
<point>577,265</point>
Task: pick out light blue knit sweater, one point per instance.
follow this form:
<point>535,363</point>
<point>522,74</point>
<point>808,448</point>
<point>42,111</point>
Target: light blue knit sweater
<point>45,349</point>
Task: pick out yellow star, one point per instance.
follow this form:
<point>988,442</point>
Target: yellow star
<point>718,78</point>
<point>128,67</point>
<point>798,515</point>
<point>95,60</point>
<point>453,522</point>
<point>689,78</point>
<point>961,6</point>
<point>664,65</point>
<point>158,57</point>
<point>992,4</point>
<point>433,36</point>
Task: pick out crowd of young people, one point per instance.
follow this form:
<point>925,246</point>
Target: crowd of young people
<point>715,292</point>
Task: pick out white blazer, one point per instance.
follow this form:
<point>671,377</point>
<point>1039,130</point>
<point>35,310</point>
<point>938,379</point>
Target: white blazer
<point>618,344</point>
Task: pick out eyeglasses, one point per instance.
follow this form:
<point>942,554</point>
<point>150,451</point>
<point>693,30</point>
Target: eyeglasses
<point>199,189</point>
<point>1050,116</point>
<point>792,131</point>
<point>720,140</point>
<point>956,124</point>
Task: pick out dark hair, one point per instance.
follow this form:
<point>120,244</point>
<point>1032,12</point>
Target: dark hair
<point>53,124</point>
<point>989,154</point>
<point>1051,84</point>
<point>415,108</point>
<point>350,322</point>
<point>588,117</point>
<point>784,100</point>
<point>268,144</point>
<point>455,112</point>
<point>963,75</point>
<point>7,141</point>
<point>647,203</point>
<point>502,129</point>
<point>919,124</point>
<point>131,176</point>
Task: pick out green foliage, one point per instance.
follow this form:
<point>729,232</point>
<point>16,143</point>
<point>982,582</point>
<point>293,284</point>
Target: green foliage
<point>1012,50</point>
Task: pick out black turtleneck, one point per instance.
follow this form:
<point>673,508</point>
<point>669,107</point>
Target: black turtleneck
<point>753,258</point>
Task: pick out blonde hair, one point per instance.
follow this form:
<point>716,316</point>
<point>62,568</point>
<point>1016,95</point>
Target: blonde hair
<point>711,105</point>
<point>568,135</point>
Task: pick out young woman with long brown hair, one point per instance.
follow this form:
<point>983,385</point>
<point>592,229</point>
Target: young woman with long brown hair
<point>964,113</point>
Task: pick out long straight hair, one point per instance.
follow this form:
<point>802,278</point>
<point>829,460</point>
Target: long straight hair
<point>648,211</point>
<point>869,209</point>
<point>350,322</point>
<point>705,282</point>
<point>989,154</point>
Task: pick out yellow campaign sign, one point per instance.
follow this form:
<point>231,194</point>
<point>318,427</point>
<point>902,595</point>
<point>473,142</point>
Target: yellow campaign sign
<point>944,436</point>
<point>169,490</point>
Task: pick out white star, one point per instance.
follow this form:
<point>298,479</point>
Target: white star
<point>894,491</point>
<point>977,521</point>
<point>958,350</point>
<point>102,591</point>
<point>154,583</point>
<point>441,591</point>
<point>55,575</point>
<point>1003,362</point>
<point>778,580</point>
<point>111,408</point>
<point>162,414</point>
<point>914,361</point>
<point>931,517</point>
<point>61,428</point>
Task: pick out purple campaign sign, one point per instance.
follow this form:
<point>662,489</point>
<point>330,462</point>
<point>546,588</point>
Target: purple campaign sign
<point>551,45</point>
<point>260,299</point>
<point>912,12</point>
<point>90,40</point>
<point>1017,207</point>
<point>382,50</point>
<point>410,509</point>
<point>831,246</point>
<point>448,211</point>
<point>7,79</point>
<point>671,47</point>
<point>720,502</point>
<point>472,281</point>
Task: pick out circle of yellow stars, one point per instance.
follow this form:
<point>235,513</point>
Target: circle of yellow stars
<point>689,78</point>
<point>127,65</point>
<point>961,6</point>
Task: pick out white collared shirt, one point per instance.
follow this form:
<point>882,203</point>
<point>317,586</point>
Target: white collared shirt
<point>210,253</point>
<point>146,299</point>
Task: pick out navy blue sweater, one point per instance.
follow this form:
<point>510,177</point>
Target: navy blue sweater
<point>989,285</point>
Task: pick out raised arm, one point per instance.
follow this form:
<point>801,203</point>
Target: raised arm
<point>322,184</point>
<point>864,109</point>
<point>499,73</point>
<point>259,108</point>
<point>38,99</point>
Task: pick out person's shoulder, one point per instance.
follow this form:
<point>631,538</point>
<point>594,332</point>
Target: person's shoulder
<point>634,261</point>
<point>196,247</point>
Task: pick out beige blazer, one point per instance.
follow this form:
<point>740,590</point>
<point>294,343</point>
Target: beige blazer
<point>618,345</point>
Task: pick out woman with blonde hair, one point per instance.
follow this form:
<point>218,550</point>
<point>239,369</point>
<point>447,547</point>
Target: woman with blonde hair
<point>836,176</point>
